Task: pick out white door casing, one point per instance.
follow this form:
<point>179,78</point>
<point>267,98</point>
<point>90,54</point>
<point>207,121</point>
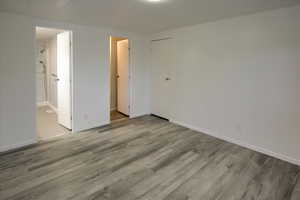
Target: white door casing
<point>64,79</point>
<point>123,77</point>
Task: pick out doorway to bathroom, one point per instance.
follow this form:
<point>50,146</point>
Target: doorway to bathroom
<point>120,78</point>
<point>53,82</point>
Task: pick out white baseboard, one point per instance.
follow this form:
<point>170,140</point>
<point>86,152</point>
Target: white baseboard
<point>54,137</point>
<point>113,109</point>
<point>240,143</point>
<point>52,107</point>
<point>19,145</point>
<point>46,103</point>
<point>138,115</point>
<point>84,129</point>
<point>40,104</point>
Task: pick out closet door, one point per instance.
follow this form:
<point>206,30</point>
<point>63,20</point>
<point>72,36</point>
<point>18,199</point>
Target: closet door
<point>123,76</point>
<point>161,70</point>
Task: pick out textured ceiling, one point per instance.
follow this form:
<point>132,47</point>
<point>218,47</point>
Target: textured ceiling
<point>140,15</point>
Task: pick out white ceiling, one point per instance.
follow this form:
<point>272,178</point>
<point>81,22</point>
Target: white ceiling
<point>140,15</point>
<point>46,33</point>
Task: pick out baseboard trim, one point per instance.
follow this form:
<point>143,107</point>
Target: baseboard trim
<point>47,103</point>
<point>17,146</point>
<point>113,109</point>
<point>54,137</point>
<point>52,107</point>
<point>40,104</point>
<point>82,129</point>
<point>131,116</point>
<point>240,143</point>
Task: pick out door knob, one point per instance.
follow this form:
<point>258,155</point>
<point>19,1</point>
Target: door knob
<point>57,79</point>
<point>168,79</point>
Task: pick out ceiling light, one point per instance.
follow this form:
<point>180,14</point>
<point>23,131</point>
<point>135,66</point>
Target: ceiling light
<point>154,1</point>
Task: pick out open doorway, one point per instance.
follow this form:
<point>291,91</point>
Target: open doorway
<point>53,82</point>
<point>120,75</point>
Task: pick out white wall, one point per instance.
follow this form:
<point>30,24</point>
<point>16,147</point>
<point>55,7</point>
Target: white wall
<point>139,63</point>
<point>50,59</point>
<point>91,80</point>
<point>52,69</point>
<point>17,81</point>
<point>91,106</point>
<point>239,79</point>
<point>41,76</point>
<point>90,77</point>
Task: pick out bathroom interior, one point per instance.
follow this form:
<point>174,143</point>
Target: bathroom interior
<point>46,84</point>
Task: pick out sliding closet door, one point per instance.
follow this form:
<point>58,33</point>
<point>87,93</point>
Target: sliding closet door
<point>161,71</point>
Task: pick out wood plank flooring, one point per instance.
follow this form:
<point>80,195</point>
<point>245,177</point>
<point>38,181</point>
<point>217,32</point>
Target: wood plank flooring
<point>115,115</point>
<point>147,159</point>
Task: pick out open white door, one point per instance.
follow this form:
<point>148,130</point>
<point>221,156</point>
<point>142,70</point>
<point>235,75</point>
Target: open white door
<point>64,79</point>
<point>123,76</point>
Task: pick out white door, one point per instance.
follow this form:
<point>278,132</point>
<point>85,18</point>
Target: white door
<point>123,76</point>
<point>161,64</point>
<point>64,79</point>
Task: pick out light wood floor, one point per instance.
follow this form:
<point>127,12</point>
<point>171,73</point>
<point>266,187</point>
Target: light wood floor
<point>115,115</point>
<point>47,124</point>
<point>144,158</point>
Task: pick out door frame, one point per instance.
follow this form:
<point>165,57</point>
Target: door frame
<point>129,71</point>
<point>50,26</point>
